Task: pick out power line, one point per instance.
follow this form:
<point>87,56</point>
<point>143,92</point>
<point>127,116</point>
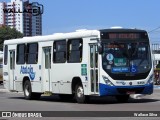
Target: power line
<point>154,29</point>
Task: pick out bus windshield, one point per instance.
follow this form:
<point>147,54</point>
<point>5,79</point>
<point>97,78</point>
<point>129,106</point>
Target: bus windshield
<point>127,60</point>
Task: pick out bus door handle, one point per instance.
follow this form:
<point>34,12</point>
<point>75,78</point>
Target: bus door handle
<point>68,81</point>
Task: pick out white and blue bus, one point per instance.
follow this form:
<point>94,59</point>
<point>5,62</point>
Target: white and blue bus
<point>108,62</point>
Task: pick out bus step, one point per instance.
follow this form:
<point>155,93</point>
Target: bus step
<point>47,93</point>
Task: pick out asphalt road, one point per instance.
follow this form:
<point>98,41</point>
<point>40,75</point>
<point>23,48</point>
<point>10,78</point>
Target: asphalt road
<point>16,102</point>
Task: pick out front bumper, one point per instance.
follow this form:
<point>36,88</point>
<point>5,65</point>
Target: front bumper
<point>106,90</point>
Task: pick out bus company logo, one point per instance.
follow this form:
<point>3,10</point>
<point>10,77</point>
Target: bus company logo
<point>29,71</point>
<point>130,83</point>
<point>33,8</point>
<point>121,82</point>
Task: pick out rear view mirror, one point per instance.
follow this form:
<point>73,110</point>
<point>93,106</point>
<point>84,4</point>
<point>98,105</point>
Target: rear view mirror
<point>100,48</point>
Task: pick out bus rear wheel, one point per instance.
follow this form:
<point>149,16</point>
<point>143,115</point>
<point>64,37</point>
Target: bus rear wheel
<point>1,82</point>
<point>79,94</point>
<point>29,95</point>
<point>122,98</point>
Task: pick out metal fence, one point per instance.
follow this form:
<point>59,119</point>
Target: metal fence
<point>156,48</point>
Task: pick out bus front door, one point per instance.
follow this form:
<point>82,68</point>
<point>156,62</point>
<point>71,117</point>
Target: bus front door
<point>46,70</point>
<point>93,67</point>
<point>11,70</point>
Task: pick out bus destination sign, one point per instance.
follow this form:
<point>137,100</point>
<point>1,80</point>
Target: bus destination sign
<point>124,35</point>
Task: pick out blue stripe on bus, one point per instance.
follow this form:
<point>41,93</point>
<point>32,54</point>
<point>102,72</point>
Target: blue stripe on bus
<point>105,90</point>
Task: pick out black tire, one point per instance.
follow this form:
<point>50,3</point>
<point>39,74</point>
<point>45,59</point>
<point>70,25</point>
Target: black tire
<point>122,98</point>
<point>1,82</point>
<point>29,95</point>
<point>79,94</point>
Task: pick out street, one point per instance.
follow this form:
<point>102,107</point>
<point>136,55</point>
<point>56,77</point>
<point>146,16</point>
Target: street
<point>16,102</point>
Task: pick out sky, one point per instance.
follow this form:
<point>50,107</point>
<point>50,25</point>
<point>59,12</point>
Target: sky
<point>69,15</point>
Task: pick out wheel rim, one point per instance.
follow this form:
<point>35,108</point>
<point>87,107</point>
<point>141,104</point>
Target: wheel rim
<point>27,90</point>
<point>80,92</point>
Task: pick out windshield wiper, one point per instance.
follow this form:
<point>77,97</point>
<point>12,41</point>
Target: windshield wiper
<point>124,50</point>
<point>132,50</point>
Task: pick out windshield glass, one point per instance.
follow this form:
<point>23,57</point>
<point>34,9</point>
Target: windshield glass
<point>126,60</point>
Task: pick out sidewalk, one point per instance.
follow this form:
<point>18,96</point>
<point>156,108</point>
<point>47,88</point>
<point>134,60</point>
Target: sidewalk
<point>156,86</point>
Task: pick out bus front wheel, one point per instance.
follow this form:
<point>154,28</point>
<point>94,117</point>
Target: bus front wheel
<point>79,94</point>
<point>122,98</point>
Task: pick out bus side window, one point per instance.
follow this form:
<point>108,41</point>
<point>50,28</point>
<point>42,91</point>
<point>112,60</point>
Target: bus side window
<point>21,54</point>
<point>59,51</point>
<point>32,53</point>
<point>75,50</point>
<point>5,54</point>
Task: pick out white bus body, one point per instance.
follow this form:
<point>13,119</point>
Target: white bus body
<point>56,64</point>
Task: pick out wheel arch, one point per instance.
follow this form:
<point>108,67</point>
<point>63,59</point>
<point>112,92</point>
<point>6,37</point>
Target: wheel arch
<point>76,80</point>
<point>26,78</point>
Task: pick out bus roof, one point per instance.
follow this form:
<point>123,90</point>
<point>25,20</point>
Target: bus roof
<point>60,36</point>
<point>121,30</point>
<point>56,36</point>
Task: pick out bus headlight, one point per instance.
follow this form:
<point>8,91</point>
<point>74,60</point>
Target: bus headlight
<point>150,81</point>
<point>107,81</point>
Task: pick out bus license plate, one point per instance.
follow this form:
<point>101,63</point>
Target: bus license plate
<point>130,92</point>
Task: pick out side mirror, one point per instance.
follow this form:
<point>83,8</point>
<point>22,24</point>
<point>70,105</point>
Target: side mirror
<point>100,48</point>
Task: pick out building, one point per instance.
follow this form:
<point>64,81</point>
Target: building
<point>156,53</point>
<point>32,24</point>
<point>15,15</point>
<point>2,15</point>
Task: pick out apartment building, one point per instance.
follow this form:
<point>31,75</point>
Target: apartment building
<point>15,14</point>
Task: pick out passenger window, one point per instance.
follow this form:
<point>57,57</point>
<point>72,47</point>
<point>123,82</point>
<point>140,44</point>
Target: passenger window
<point>32,53</point>
<point>75,47</point>
<point>21,54</point>
<point>5,54</point>
<point>59,51</point>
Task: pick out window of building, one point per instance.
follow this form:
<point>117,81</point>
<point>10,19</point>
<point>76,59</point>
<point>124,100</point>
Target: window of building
<point>5,54</point>
<point>32,53</point>
<point>21,54</point>
<point>75,50</point>
<point>59,51</point>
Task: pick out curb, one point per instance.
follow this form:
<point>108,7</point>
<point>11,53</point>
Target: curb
<point>157,86</point>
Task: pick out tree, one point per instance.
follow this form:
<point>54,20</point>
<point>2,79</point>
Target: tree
<point>7,33</point>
